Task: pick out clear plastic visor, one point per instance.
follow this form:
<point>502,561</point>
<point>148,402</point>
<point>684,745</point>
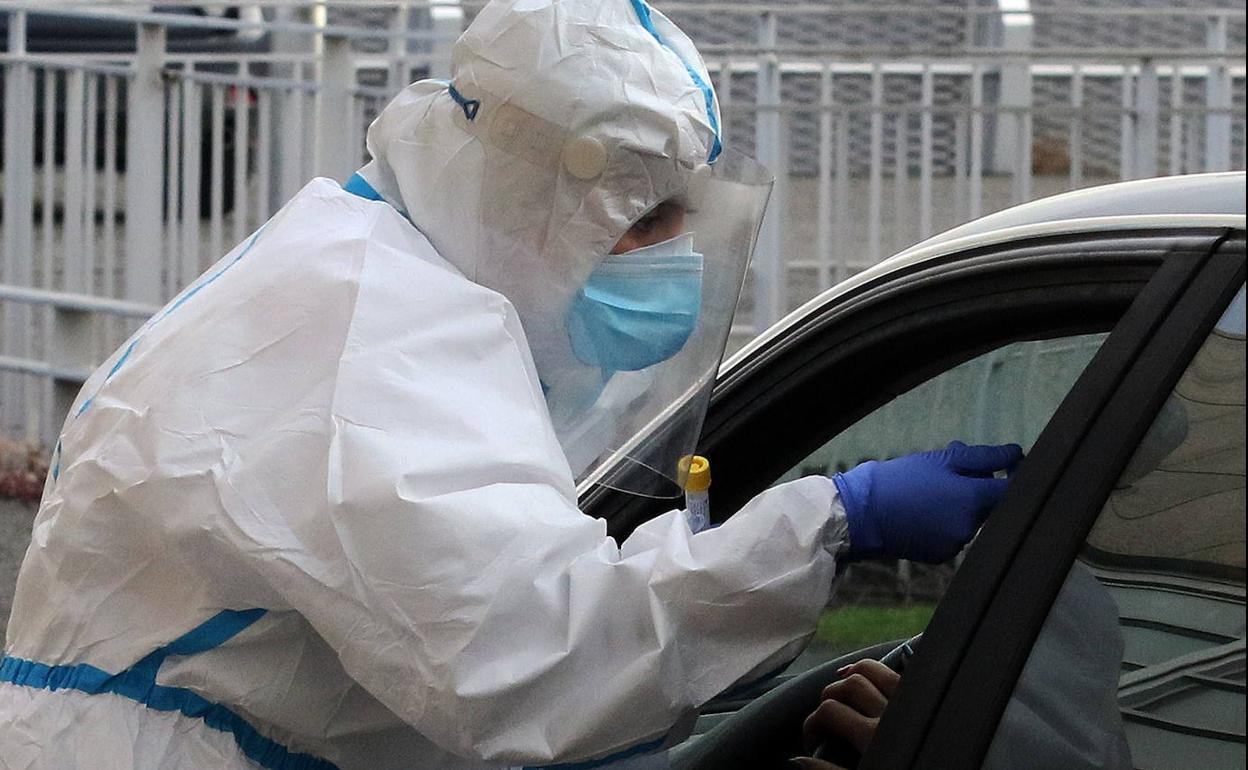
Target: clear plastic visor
<point>646,420</point>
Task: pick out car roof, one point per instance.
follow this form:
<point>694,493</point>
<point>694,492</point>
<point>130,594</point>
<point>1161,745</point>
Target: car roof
<point>1200,200</point>
<point>1221,193</point>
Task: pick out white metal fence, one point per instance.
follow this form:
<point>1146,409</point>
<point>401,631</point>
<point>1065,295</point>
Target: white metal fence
<point>126,174</point>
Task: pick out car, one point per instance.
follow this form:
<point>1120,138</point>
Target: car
<point>1103,330</point>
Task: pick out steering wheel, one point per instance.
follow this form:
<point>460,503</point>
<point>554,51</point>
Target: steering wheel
<point>841,752</point>
<point>768,731</point>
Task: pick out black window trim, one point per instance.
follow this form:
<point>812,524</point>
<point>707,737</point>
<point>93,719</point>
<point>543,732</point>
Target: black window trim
<point>947,709</point>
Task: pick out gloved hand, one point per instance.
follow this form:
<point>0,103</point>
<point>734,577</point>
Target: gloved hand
<point>923,507</point>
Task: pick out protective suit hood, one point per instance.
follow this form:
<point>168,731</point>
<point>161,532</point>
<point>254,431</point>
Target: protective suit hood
<point>563,123</point>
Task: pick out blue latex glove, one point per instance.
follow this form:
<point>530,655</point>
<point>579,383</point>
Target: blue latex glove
<point>923,507</point>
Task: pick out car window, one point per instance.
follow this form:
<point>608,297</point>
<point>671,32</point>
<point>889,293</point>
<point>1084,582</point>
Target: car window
<point>1006,395</point>
<point>1140,662</point>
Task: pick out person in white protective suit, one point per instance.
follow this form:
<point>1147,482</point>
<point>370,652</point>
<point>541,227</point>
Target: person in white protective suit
<point>318,511</point>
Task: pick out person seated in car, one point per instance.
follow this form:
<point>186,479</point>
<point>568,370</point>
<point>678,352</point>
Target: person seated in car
<point>1064,709</point>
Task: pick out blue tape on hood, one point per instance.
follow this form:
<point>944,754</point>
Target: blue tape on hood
<point>358,185</point>
<point>643,15</point>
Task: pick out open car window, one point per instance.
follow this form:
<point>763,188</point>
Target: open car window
<point>843,360</point>
<point>1141,660</point>
<point>1006,395</point>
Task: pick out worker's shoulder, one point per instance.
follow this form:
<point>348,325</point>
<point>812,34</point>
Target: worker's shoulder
<point>326,215</point>
<point>324,211</point>
<point>335,234</point>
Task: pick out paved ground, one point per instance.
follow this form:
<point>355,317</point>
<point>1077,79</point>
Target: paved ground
<point>15,521</point>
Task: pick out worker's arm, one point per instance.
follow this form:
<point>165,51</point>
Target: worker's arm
<point>459,583</point>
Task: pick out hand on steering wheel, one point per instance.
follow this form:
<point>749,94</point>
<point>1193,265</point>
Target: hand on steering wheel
<point>845,722</point>
<point>851,708</point>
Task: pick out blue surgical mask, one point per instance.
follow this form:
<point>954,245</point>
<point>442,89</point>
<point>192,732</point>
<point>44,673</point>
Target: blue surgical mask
<point>638,308</point>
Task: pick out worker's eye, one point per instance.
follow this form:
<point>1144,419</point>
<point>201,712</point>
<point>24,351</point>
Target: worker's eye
<point>648,222</point>
<point>659,216</point>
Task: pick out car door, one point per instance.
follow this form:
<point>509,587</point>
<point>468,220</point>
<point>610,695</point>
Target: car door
<point>838,370</point>
<point>1121,541</point>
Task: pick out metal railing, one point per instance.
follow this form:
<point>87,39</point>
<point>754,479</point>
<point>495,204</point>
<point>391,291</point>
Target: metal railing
<point>127,174</point>
<point>878,174</point>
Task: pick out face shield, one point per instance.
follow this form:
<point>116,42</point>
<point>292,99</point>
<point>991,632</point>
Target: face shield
<point>650,328</point>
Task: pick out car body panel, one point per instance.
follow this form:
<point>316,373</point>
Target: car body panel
<point>1216,193</point>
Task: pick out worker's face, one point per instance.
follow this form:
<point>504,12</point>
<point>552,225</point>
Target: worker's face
<point>664,221</point>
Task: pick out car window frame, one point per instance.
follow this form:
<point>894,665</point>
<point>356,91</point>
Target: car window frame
<point>1102,272</point>
<point>955,691</point>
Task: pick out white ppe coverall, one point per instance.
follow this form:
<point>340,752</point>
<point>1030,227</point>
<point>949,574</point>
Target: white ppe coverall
<point>314,513</point>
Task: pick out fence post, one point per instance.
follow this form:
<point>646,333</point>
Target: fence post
<point>399,73</point>
<point>145,154</point>
<point>290,148</point>
<point>1075,143</point>
<point>823,232</point>
<point>1176,119</point>
<point>74,273</point>
<point>19,231</point>
<point>285,114</point>
<point>71,358</point>
<point>1218,100</point>
<point>1022,124</point>
<point>447,22</point>
<point>1014,96</point>
<point>901,233</point>
<point>1126,131</point>
<point>976,172</point>
<point>840,196</point>
<point>767,268</point>
<point>875,184</point>
<point>926,126</point>
<point>192,155</point>
<point>333,108</point>
<point>1147,115</point>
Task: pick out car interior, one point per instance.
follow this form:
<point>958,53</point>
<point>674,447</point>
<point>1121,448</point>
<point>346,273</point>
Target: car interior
<point>1004,395</point>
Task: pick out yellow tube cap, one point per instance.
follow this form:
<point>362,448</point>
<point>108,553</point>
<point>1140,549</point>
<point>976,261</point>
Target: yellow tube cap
<point>696,471</point>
